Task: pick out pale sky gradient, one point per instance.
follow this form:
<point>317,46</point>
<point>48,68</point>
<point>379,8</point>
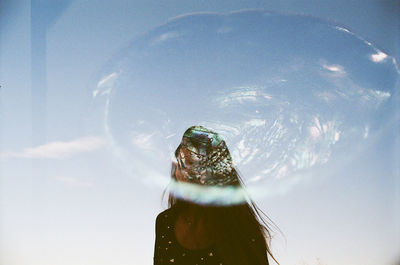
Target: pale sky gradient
<point>66,199</point>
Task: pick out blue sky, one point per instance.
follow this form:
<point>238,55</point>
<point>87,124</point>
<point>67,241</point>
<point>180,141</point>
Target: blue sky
<point>75,192</point>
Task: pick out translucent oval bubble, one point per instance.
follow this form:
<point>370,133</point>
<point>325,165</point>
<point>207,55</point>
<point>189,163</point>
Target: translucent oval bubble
<point>287,93</point>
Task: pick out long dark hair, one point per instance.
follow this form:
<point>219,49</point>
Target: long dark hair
<point>241,231</point>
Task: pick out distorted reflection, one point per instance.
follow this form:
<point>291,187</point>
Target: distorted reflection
<point>286,92</point>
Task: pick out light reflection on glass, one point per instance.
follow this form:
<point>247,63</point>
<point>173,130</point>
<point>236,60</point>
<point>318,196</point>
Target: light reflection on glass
<point>286,92</point>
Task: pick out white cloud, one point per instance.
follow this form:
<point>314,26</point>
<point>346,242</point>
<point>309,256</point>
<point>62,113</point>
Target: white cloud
<point>242,95</point>
<point>255,123</point>
<point>282,171</point>
<point>342,29</point>
<point>374,96</point>
<point>224,29</point>
<point>106,80</point>
<point>366,132</point>
<point>336,136</point>
<point>105,85</point>
<point>326,96</point>
<point>334,68</point>
<point>165,36</point>
<point>378,57</point>
<point>58,149</point>
<point>379,95</point>
<point>143,140</point>
<point>315,132</point>
<point>254,179</point>
<point>73,181</point>
<point>169,136</point>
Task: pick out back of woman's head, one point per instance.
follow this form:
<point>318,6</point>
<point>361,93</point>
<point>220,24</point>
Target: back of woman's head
<point>242,236</point>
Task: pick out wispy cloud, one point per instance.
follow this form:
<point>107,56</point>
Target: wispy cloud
<point>241,95</point>
<point>334,68</point>
<point>106,80</point>
<point>143,140</point>
<point>165,36</point>
<point>74,181</point>
<point>366,132</point>
<point>58,149</point>
<point>224,29</point>
<point>342,29</point>
<point>255,123</point>
<point>105,85</point>
<point>326,96</point>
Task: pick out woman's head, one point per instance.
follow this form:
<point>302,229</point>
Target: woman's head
<point>203,158</point>
<point>211,187</point>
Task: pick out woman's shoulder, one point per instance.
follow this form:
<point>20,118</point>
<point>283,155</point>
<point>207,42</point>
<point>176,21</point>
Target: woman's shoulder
<point>165,215</point>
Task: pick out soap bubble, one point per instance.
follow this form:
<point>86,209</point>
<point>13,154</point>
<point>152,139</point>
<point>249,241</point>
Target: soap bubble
<point>286,92</point>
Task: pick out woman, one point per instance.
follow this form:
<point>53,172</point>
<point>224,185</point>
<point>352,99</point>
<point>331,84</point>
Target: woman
<point>202,226</point>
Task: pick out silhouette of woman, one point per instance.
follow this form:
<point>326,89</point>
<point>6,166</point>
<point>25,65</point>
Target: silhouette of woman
<point>206,223</point>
